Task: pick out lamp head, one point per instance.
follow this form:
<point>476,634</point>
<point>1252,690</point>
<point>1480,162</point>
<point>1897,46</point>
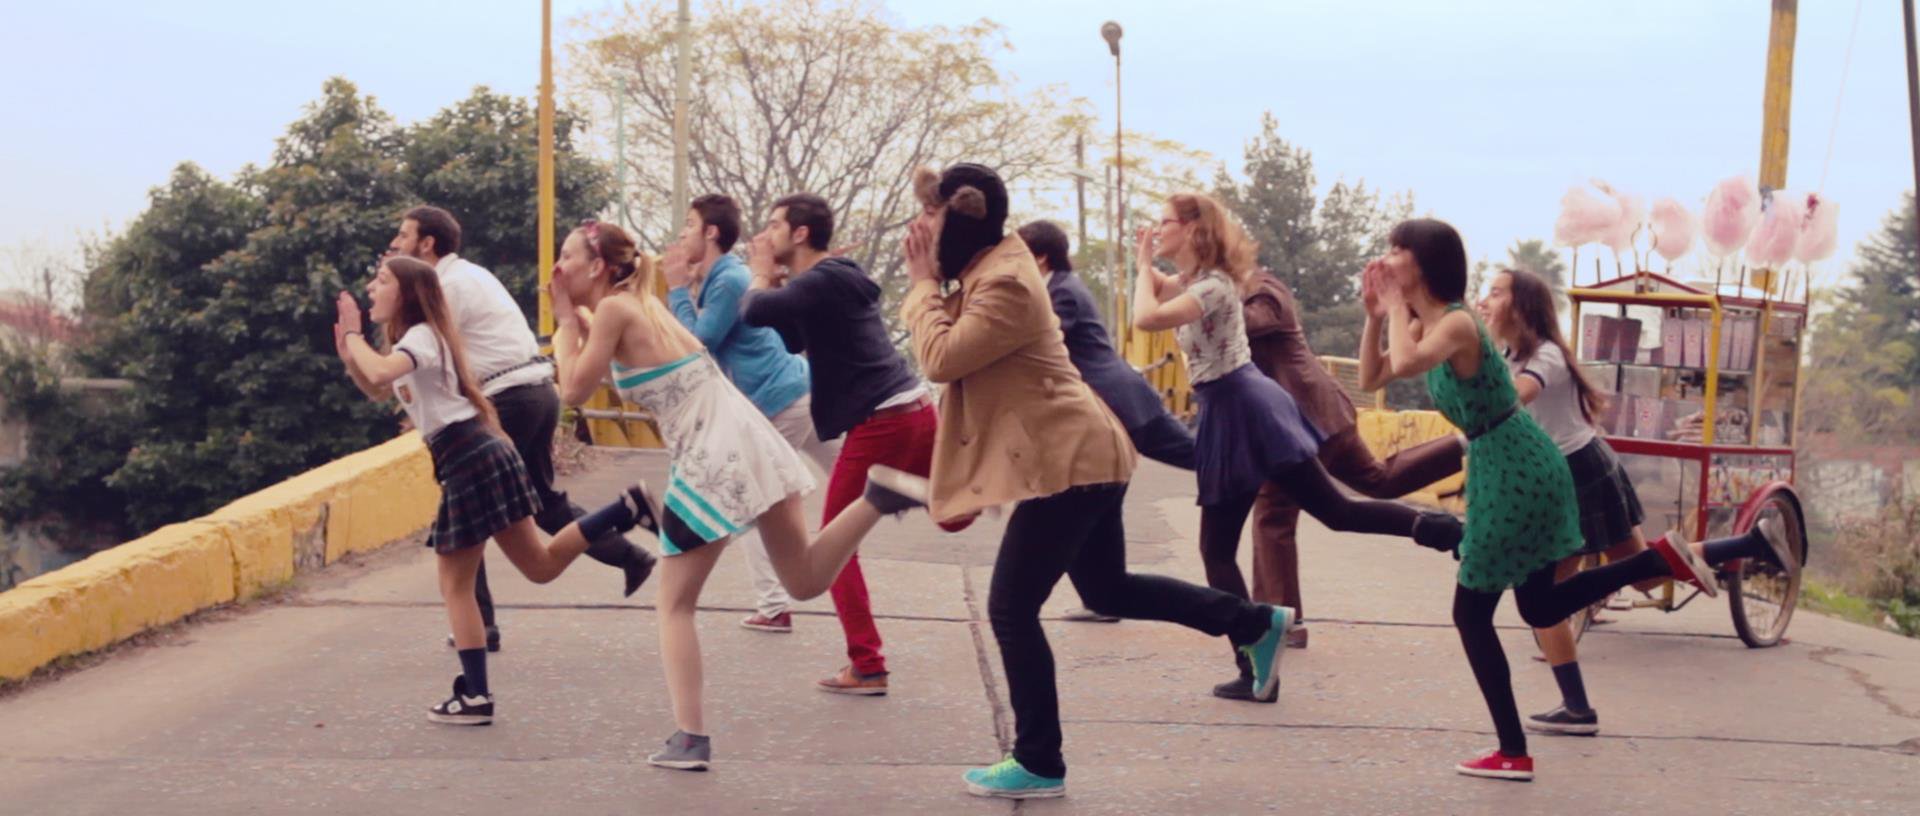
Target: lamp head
<point>1110,31</point>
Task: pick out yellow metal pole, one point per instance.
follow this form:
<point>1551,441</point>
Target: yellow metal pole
<point>1778,105</point>
<point>546,165</point>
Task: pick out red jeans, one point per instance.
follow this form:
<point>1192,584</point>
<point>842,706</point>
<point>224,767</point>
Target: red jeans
<point>903,441</point>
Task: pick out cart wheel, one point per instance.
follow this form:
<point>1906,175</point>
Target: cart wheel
<point>1583,617</point>
<point>1761,595</point>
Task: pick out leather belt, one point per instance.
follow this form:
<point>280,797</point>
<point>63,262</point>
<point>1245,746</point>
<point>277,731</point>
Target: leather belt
<point>512,368</point>
<point>1493,423</point>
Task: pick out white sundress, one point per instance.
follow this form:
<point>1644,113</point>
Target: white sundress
<point>727,462</point>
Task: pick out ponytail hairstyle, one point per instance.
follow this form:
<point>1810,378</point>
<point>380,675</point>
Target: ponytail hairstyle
<point>1535,321</point>
<point>1217,240</point>
<point>633,274</point>
<point>422,302</point>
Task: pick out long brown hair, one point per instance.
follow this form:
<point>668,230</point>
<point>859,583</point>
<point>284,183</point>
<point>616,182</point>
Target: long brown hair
<point>422,302</point>
<point>1535,321</point>
<point>1217,239</point>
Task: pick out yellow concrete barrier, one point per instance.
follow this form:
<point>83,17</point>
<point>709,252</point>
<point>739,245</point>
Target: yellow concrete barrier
<point>257,543</point>
<point>1389,432</point>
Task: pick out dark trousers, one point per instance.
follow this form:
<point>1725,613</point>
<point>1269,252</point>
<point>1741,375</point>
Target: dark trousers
<point>1276,516</point>
<point>1078,533</point>
<point>529,414</point>
<point>1542,603</point>
<point>1164,439</point>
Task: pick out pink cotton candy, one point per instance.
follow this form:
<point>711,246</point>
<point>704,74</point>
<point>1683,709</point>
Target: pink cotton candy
<point>1585,218</point>
<point>1733,208</point>
<point>1619,235</point>
<point>1820,233</point>
<point>1772,244</point>
<point>1673,229</point>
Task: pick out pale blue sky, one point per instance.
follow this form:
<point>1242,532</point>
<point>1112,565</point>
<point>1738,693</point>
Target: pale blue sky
<point>1486,109</point>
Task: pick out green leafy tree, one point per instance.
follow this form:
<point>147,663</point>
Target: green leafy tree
<point>1537,257</point>
<point>1863,382</point>
<point>217,301</point>
<point>476,160</point>
<point>1318,245</point>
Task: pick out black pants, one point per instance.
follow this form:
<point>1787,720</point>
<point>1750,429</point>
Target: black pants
<point>1164,439</point>
<point>529,414</point>
<point>1078,533</point>
<point>1542,603</point>
<point>1308,484</point>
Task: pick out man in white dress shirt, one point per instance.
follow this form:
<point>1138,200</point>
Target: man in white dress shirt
<point>505,357</point>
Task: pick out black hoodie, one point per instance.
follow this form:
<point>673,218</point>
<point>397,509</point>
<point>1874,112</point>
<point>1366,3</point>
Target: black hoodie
<point>831,313</point>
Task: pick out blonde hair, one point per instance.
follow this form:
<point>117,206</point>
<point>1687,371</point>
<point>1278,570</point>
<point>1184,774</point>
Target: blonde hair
<point>1217,239</point>
<point>636,275</point>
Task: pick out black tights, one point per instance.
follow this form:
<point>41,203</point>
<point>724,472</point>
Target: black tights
<point>1542,603</point>
<point>1310,487</point>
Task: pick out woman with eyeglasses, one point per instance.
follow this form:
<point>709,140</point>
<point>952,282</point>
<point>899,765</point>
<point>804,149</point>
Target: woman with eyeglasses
<point>1250,432</point>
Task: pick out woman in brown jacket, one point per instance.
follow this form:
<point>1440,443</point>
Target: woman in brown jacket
<point>1018,425</point>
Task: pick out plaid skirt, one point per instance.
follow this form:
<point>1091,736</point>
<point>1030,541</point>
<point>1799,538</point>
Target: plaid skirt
<point>483,486</point>
<point>1609,507</point>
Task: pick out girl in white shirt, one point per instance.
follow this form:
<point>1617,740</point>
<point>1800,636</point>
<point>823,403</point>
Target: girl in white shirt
<point>484,489</point>
<point>1519,311</point>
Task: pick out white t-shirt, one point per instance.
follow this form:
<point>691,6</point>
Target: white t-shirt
<point>491,326</point>
<point>1216,344</point>
<point>431,392</point>
<point>1557,407</point>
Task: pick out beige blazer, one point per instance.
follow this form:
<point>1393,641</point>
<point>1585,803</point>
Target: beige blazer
<point>1016,420</point>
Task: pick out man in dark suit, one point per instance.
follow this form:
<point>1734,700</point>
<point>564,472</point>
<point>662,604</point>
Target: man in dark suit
<point>1156,433</point>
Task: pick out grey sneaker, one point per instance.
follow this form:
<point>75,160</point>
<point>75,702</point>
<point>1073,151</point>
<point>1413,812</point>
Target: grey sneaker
<point>893,491</point>
<point>1562,721</point>
<point>684,752</point>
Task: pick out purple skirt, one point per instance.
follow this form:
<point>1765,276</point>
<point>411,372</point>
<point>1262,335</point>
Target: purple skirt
<point>1249,430</point>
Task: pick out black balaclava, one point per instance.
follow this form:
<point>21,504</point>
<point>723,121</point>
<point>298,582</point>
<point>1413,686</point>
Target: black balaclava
<point>976,215</point>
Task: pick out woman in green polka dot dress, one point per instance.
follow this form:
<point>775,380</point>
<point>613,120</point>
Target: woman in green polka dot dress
<point>1522,516</point>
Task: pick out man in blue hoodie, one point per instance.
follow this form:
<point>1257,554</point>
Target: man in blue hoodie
<point>705,284</point>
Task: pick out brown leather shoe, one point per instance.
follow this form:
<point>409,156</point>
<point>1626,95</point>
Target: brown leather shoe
<point>1297,637</point>
<point>848,681</point>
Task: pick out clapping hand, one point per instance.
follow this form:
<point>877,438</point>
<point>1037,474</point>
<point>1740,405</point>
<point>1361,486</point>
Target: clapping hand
<point>558,294</point>
<point>919,251</point>
<point>1372,282</point>
<point>760,261</point>
<point>677,267</point>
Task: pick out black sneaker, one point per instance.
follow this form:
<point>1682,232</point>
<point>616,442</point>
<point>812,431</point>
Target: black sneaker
<point>684,752</point>
<point>1438,531</point>
<point>1239,688</point>
<point>894,491</point>
<point>639,501</point>
<point>1778,546</point>
<point>638,567</point>
<point>1562,721</point>
<point>493,639</point>
<point>463,708</point>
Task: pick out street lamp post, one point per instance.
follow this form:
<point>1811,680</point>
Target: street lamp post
<point>1117,279</point>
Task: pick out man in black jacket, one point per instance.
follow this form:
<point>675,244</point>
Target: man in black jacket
<point>828,309</point>
<point>1155,432</point>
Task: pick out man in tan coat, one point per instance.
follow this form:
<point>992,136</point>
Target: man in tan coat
<point>1019,426</point>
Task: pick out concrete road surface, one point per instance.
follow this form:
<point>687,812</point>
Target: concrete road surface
<point>315,704</point>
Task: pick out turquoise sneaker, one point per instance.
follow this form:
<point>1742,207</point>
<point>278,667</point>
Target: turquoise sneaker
<point>1265,655</point>
<point>1008,780</point>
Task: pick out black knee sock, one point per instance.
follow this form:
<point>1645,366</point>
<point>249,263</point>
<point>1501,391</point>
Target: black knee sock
<point>617,517</point>
<point>1573,691</point>
<point>473,665</point>
<point>1721,550</point>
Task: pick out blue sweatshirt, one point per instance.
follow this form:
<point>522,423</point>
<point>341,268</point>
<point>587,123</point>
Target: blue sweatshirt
<point>753,357</point>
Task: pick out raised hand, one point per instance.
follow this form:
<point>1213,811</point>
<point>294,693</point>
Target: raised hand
<point>347,312</point>
<point>918,248</point>
<point>559,295</point>
<point>1371,282</point>
<point>1143,250</point>
<point>760,260</point>
<point>677,266</point>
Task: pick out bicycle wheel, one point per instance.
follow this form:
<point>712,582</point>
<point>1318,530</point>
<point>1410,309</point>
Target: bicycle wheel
<point>1760,595</point>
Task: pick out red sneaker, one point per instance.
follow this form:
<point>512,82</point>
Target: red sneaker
<point>1686,566</point>
<point>1497,765</point>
